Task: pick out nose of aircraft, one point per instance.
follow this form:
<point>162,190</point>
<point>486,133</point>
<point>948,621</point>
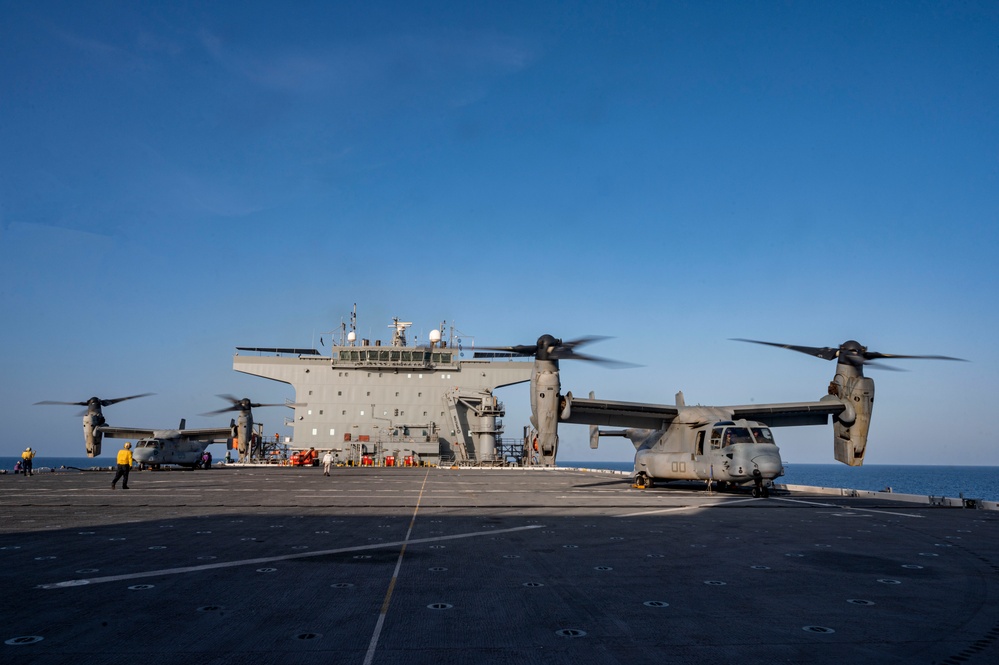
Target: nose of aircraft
<point>768,463</point>
<point>145,454</point>
<point>752,457</point>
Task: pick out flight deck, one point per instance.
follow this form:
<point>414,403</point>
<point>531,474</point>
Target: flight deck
<point>435,565</point>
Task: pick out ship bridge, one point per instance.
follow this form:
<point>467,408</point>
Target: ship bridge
<point>425,403</point>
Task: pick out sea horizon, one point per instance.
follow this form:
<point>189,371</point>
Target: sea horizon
<point>976,482</point>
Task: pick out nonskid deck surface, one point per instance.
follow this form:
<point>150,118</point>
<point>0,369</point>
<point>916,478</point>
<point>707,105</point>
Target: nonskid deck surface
<point>423,565</point>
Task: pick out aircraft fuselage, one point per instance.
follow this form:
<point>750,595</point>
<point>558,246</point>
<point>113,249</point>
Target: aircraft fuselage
<point>736,451</point>
<point>166,450</point>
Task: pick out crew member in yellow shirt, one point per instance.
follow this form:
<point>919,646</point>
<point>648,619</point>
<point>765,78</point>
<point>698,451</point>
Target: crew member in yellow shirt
<point>124,466</point>
<point>26,461</point>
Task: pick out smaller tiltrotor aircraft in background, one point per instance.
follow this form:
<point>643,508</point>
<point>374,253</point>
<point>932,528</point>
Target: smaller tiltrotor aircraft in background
<point>155,447</point>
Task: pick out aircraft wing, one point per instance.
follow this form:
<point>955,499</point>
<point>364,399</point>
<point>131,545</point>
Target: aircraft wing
<point>619,414</point>
<point>790,414</point>
<point>208,434</point>
<point>126,432</point>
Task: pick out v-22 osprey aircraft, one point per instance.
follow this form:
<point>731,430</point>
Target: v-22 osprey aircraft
<point>155,447</point>
<point>726,445</point>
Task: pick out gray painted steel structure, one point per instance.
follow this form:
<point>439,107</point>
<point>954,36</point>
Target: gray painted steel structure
<point>425,403</point>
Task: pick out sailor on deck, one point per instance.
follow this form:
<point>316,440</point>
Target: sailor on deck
<point>124,466</point>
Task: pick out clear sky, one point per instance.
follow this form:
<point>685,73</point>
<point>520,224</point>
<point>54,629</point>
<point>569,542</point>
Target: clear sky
<point>178,179</point>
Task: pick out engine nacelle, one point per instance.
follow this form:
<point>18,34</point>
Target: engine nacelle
<point>92,437</point>
<point>851,427</point>
<point>546,400</point>
<point>243,431</point>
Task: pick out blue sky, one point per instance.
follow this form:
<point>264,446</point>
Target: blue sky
<point>178,179</point>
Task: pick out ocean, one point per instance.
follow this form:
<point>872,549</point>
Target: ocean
<point>974,482</point>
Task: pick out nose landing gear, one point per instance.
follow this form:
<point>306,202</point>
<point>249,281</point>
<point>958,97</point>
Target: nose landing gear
<point>759,490</point>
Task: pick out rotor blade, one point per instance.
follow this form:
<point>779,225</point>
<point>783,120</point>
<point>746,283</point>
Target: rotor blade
<point>521,350</point>
<point>871,355</point>
<point>237,405</point>
<point>615,364</point>
<point>869,363</point>
<point>109,402</point>
<point>555,349</point>
<point>824,352</point>
<point>223,410</point>
<point>582,341</point>
<point>104,402</point>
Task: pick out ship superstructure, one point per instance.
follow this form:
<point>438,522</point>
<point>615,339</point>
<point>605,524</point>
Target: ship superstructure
<point>392,403</point>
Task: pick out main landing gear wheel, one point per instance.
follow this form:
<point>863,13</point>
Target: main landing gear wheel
<point>642,480</point>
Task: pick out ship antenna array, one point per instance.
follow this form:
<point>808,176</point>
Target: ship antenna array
<point>399,336</point>
<point>352,335</point>
<point>461,335</point>
<point>345,337</point>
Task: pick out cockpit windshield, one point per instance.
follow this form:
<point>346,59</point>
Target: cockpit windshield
<point>763,435</point>
<point>736,435</point>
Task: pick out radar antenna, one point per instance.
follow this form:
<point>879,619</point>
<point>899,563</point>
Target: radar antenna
<point>399,336</point>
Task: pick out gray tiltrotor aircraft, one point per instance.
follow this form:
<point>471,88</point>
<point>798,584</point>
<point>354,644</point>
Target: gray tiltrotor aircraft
<point>153,447</point>
<point>728,445</point>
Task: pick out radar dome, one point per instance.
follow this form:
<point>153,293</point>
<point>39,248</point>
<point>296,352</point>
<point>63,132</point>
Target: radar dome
<point>435,336</point>
<point>351,336</point>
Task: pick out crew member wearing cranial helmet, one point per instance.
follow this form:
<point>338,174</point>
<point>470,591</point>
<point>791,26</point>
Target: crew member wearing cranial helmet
<point>26,458</point>
<point>124,466</point>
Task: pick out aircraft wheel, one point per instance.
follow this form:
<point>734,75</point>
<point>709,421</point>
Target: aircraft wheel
<point>757,492</point>
<point>765,492</point>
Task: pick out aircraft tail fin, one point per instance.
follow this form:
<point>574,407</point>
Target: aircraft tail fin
<point>183,423</point>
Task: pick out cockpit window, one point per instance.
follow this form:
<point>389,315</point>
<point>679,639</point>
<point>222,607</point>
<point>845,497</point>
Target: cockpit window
<point>716,434</point>
<point>763,435</point>
<point>736,435</point>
